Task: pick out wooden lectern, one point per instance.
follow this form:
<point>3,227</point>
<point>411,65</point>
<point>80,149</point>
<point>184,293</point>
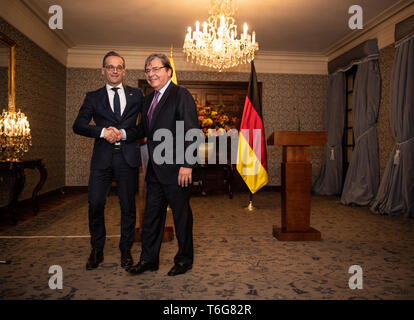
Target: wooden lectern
<point>296,183</point>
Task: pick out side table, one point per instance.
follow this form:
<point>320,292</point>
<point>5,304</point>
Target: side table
<point>17,171</point>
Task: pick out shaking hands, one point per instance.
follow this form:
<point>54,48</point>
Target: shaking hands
<point>112,134</point>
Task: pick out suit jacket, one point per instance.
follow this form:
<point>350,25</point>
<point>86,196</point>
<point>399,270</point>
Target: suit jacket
<point>96,106</point>
<point>176,104</point>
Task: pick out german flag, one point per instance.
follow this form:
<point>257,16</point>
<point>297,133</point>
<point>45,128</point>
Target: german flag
<point>251,156</point>
<point>174,75</point>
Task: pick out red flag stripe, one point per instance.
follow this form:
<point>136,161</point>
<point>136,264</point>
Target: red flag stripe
<point>251,120</point>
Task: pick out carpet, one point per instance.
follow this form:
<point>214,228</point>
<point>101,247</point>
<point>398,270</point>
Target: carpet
<point>236,256</point>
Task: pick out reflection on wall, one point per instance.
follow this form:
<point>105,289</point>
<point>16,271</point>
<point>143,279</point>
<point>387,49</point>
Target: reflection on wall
<point>40,94</point>
<point>4,76</point>
<point>281,92</point>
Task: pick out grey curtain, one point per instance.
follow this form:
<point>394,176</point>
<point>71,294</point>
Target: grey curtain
<point>396,192</point>
<point>329,180</point>
<point>362,178</point>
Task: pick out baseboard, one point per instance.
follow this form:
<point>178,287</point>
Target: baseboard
<point>84,189</point>
<point>77,189</point>
<point>69,189</point>
<point>272,188</point>
<point>46,195</point>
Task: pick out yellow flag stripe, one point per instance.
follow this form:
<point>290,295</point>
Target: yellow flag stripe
<point>250,167</point>
<point>174,76</point>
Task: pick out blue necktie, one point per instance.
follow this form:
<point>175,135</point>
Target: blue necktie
<point>117,104</point>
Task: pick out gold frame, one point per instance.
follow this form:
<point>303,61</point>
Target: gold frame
<point>11,83</point>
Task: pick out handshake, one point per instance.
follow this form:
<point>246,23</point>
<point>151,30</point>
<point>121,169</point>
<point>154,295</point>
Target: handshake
<point>112,134</point>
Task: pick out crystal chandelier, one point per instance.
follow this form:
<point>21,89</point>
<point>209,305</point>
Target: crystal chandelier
<point>217,46</point>
<point>15,137</point>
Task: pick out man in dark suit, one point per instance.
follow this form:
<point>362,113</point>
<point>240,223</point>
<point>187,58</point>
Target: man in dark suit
<point>167,183</point>
<point>114,109</point>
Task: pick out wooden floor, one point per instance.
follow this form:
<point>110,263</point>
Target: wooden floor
<point>25,208</point>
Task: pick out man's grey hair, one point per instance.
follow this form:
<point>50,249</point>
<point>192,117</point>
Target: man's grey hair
<point>164,60</point>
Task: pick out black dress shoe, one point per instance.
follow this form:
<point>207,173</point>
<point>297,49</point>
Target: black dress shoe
<point>95,258</point>
<point>126,259</point>
<point>179,268</point>
<point>143,266</point>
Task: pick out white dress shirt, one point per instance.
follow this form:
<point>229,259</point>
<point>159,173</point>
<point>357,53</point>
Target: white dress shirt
<point>122,99</point>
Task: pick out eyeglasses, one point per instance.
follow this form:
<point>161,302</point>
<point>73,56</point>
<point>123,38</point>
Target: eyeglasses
<point>112,68</point>
<point>155,70</point>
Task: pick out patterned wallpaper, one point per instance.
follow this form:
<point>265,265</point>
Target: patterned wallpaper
<point>281,92</point>
<point>40,94</point>
<point>43,85</point>
<point>385,139</point>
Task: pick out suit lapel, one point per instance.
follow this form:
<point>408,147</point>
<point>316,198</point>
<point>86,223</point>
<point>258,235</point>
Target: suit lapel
<point>128,97</point>
<point>145,108</point>
<point>161,104</point>
<point>105,103</point>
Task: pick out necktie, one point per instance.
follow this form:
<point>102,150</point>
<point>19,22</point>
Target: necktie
<point>117,103</point>
<point>153,106</point>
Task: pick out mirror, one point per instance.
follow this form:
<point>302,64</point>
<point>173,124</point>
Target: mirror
<point>7,92</point>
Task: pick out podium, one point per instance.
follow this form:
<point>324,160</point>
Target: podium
<point>296,183</point>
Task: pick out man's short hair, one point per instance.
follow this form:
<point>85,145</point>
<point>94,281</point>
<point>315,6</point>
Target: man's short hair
<point>164,60</point>
<point>113,54</point>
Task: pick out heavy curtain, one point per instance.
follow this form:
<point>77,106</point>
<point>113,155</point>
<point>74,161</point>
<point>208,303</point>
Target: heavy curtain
<point>396,192</point>
<point>362,178</point>
<point>329,180</point>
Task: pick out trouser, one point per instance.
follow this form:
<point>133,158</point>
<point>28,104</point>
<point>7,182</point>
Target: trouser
<point>158,197</point>
<point>100,181</point>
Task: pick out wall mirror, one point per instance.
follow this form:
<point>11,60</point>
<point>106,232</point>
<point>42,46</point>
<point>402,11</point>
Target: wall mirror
<point>7,91</point>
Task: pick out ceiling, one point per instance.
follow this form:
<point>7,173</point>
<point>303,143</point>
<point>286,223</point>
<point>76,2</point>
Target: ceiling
<point>302,26</point>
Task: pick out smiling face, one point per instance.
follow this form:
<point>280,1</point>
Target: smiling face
<point>156,74</point>
<point>112,70</point>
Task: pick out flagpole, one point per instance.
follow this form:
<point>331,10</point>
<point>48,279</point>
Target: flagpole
<point>250,207</point>
<point>171,53</point>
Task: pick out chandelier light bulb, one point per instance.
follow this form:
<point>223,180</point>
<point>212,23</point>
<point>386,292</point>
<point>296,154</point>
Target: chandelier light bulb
<point>217,46</point>
<point>15,137</point>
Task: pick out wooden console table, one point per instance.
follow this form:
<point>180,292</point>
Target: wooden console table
<point>206,169</point>
<point>296,183</point>
<point>17,171</point>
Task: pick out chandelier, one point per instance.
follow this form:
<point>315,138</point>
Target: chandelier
<point>216,45</point>
<point>15,137</point>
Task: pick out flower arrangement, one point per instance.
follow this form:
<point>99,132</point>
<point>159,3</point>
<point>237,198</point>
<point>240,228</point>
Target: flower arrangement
<point>214,117</point>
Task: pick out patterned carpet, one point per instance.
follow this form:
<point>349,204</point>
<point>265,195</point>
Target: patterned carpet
<point>236,256</point>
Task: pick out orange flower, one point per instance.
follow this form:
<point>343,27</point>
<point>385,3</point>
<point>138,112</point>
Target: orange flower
<point>214,117</point>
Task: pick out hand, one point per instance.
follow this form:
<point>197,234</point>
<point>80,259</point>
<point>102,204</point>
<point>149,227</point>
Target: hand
<point>142,141</point>
<point>184,176</point>
<point>112,134</point>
